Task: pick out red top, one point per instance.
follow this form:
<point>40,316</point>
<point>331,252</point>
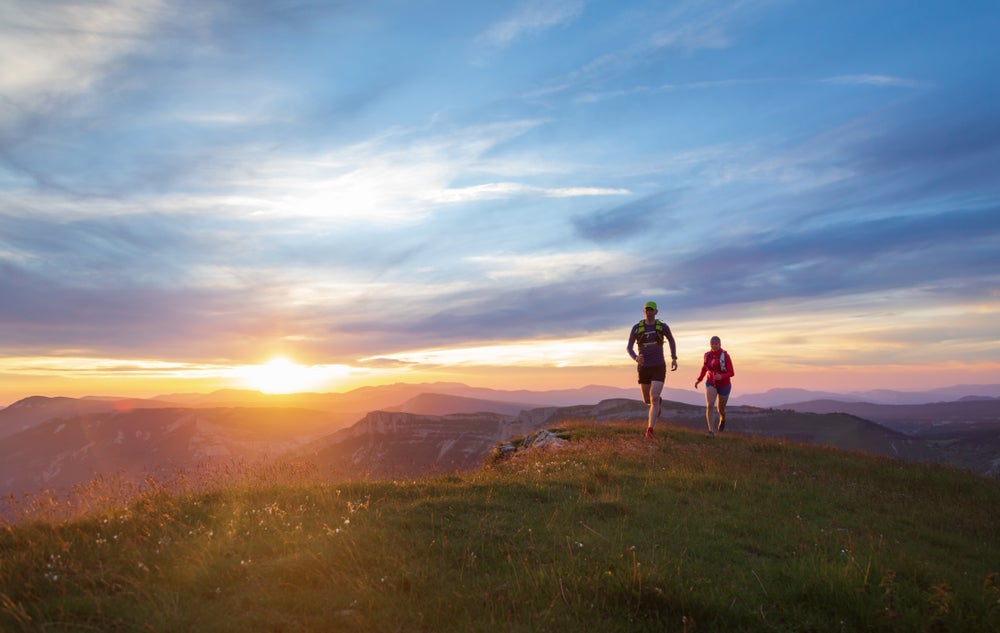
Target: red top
<point>717,377</point>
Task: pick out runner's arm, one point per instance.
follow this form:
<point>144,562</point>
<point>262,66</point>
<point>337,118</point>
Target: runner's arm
<point>631,343</point>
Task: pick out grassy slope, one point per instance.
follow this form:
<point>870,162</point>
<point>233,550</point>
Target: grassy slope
<point>609,533</point>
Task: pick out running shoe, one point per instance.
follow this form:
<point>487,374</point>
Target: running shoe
<point>649,432</point>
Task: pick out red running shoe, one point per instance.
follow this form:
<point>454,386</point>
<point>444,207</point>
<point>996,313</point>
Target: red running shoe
<point>649,432</point>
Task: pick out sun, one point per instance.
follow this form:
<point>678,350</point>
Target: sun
<point>280,375</point>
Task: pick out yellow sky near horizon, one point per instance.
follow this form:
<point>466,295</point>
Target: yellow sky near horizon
<point>858,346</point>
<point>767,353</point>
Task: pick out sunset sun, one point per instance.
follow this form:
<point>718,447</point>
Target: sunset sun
<point>280,375</point>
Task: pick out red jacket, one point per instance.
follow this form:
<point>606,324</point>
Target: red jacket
<point>713,366</point>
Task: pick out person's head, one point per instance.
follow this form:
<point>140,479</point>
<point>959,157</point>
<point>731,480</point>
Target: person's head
<point>649,309</point>
<point>715,342</point>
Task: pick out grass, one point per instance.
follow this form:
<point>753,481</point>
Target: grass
<point>610,533</point>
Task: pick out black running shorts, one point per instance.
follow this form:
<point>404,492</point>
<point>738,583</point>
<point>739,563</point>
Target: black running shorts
<point>656,373</point>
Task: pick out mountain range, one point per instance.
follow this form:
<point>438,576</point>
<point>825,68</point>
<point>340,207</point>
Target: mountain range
<point>384,397</point>
<point>405,430</point>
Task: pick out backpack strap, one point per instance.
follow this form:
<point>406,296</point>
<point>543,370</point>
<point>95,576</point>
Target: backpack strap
<point>641,329</point>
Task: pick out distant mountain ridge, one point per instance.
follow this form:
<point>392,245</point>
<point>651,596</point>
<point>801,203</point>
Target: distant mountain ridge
<point>60,442</point>
<point>911,418</point>
<point>395,444</point>
<point>361,400</point>
<point>784,396</point>
<point>66,451</point>
<point>29,412</point>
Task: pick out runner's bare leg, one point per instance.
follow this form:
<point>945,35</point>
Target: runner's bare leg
<point>655,389</point>
<point>710,395</point>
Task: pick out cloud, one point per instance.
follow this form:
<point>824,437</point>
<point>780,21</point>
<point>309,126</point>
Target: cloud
<point>847,257</point>
<point>59,48</point>
<point>692,26</point>
<point>627,220</point>
<point>530,17</point>
<point>885,81</point>
<point>540,269</point>
<point>501,190</point>
<point>656,37</point>
<point>562,352</point>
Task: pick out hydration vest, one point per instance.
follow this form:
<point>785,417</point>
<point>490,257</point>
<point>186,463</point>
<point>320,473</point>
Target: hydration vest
<point>641,331</point>
<point>722,360</point>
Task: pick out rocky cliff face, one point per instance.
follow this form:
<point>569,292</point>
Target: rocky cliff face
<point>394,444</point>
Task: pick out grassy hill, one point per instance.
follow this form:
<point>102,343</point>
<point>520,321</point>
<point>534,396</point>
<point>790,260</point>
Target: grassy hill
<point>607,533</point>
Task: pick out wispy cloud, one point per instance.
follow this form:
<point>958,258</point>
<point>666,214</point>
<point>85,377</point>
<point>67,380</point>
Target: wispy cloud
<point>500,190</point>
<point>530,17</point>
<point>53,48</point>
<point>886,81</point>
<point>540,269</point>
<point>627,220</point>
<point>657,36</point>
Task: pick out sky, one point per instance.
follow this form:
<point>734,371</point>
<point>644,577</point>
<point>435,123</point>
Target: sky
<point>316,196</point>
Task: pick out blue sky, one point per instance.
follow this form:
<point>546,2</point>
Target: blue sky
<point>488,192</point>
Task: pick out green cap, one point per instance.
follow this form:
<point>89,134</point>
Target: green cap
<point>651,304</point>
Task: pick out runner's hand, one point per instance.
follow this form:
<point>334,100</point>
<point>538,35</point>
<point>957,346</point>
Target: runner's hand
<point>673,365</point>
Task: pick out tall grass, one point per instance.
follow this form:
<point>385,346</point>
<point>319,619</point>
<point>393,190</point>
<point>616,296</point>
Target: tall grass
<point>609,533</point>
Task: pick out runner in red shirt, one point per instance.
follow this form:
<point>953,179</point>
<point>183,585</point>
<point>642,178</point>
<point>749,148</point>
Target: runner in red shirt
<point>718,365</point>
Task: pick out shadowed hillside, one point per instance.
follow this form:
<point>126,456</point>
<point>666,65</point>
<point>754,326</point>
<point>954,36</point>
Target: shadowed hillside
<point>392,444</point>
<point>64,452</point>
<point>60,453</point>
<point>963,433</point>
<point>609,532</point>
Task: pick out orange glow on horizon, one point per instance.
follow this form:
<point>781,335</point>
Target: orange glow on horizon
<point>754,374</point>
